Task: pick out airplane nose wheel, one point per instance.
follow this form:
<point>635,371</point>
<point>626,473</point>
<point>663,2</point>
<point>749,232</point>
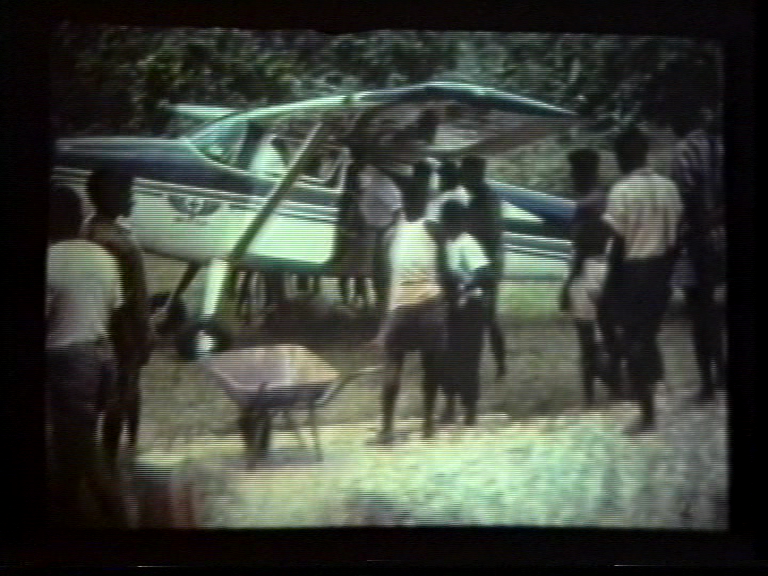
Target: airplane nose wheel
<point>201,339</point>
<point>177,314</point>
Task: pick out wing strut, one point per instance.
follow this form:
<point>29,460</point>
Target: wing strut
<point>219,273</point>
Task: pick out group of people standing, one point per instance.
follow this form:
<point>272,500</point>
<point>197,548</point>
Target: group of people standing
<point>434,242</point>
<point>99,335</point>
<point>437,259</point>
<point>631,244</point>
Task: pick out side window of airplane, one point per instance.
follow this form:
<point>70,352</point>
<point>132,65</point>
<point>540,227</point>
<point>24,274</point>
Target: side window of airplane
<point>222,140</point>
<point>275,153</point>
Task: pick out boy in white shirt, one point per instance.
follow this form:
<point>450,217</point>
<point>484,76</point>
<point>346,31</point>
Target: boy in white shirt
<point>470,278</point>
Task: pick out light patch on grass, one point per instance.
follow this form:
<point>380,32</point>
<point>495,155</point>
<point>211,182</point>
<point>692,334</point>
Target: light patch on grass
<point>574,470</point>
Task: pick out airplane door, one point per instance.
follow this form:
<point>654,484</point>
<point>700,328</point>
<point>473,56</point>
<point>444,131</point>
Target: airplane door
<point>301,234</point>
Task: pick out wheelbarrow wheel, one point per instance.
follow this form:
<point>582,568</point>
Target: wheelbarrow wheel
<point>202,338</point>
<point>177,315</point>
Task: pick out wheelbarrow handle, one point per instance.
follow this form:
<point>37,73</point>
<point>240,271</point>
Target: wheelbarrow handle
<point>342,382</point>
<point>367,371</point>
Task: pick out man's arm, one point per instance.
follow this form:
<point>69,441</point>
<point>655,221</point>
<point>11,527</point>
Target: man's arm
<point>134,330</point>
<point>577,233</point>
<point>614,217</point>
<point>437,234</point>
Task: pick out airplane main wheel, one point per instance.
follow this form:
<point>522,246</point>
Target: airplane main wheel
<point>177,315</point>
<point>201,339</point>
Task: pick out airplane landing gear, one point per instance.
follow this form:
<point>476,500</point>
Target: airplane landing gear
<point>177,312</point>
<point>201,339</point>
<point>168,307</point>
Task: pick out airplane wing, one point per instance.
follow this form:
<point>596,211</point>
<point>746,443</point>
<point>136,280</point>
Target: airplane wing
<point>466,94</point>
<point>472,121</point>
<point>463,93</point>
<point>200,112</point>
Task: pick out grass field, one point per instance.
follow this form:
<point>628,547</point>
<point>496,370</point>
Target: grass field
<point>537,458</point>
<point>542,358</point>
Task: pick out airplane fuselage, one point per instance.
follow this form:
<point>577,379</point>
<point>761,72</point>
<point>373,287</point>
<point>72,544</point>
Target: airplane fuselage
<point>190,207</point>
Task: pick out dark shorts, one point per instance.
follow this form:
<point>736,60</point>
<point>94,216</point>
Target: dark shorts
<point>644,293</point>
<point>420,327</point>
<point>466,327</point>
<point>80,379</point>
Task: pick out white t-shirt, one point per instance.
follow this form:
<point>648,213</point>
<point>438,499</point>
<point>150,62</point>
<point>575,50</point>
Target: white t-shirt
<point>645,209</point>
<point>381,198</point>
<point>459,193</point>
<point>413,260</point>
<point>464,256</point>
<point>83,288</point>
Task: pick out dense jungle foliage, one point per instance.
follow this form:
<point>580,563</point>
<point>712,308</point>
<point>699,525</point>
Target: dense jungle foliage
<point>114,79</point>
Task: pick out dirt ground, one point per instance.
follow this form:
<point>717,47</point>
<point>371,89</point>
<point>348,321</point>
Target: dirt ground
<point>538,458</point>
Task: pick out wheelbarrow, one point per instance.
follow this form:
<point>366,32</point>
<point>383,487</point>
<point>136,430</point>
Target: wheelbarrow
<point>278,380</point>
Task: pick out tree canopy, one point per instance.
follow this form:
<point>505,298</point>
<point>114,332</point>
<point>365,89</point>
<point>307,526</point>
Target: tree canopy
<point>113,79</point>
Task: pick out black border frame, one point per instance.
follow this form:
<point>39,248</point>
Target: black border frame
<point>29,544</point>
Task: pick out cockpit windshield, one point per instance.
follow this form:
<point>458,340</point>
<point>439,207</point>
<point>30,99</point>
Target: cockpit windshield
<point>221,140</point>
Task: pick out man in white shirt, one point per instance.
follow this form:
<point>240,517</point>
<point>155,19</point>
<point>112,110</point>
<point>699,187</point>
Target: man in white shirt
<point>644,212</point>
<point>470,279</point>
<point>83,289</point>
<point>416,313</point>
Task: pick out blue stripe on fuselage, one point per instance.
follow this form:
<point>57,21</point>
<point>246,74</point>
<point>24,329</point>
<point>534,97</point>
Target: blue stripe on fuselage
<point>556,212</point>
<point>174,162</point>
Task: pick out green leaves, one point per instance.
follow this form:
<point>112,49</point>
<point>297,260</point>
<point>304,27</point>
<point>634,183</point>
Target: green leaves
<point>123,71</point>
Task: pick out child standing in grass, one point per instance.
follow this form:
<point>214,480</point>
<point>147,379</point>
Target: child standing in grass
<point>470,279</point>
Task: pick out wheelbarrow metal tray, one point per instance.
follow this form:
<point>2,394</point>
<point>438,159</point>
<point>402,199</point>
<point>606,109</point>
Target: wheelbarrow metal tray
<point>283,375</point>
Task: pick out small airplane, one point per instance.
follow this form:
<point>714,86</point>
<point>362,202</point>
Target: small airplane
<point>258,189</point>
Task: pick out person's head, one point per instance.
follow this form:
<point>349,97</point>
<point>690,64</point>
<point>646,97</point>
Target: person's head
<point>473,171</point>
<point>452,217</point>
<point>631,149</point>
<point>65,215</point>
<point>449,175</point>
<point>110,192</point>
<point>415,198</point>
<point>584,169</point>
